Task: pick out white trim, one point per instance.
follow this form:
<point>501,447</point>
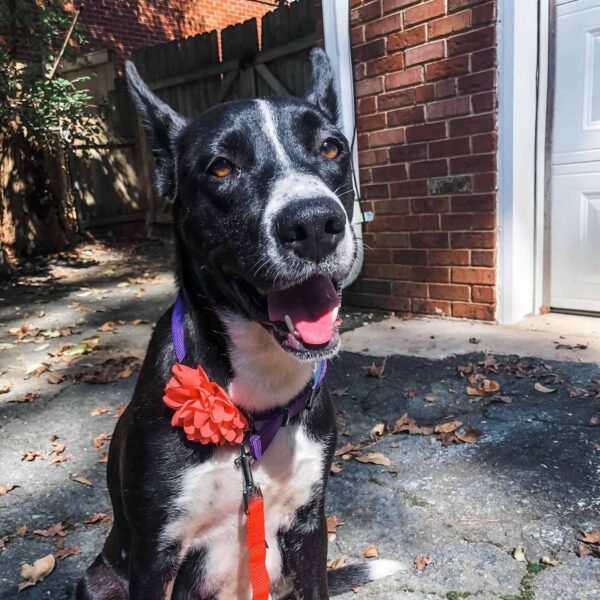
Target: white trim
<point>520,209</point>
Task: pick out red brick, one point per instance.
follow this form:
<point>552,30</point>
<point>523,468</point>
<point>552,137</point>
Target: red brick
<point>484,102</point>
<point>367,158</point>
<point>435,274</point>
<point>453,107</point>
<point>449,24</point>
<point>387,272</point>
<point>424,53</point>
<point>406,116</point>
<point>367,87</point>
<point>484,182</point>
<point>429,239</point>
<point>383,26</point>
<point>430,131</point>
<point>483,258</point>
<point>466,221</point>
<point>482,60</point>
<point>447,68</point>
<point>473,163</point>
<point>428,168</point>
<point>374,286</point>
<point>396,99</point>
<point>357,35</point>
<point>484,294</point>
<point>367,106</point>
<point>424,12</point>
<point>389,173</point>
<point>397,206</point>
<point>453,147</point>
<point>404,78</point>
<point>474,203</point>
<point>424,93</point>
<point>448,257</point>
<point>408,152</point>
<point>364,52</point>
<point>480,82</point>
<point>485,142</point>
<point>481,312</point>
<point>410,257</point>
<point>378,255</point>
<point>437,204</point>
<point>482,15</point>
<point>472,41</point>
<point>479,240</point>
<point>375,191</point>
<point>404,223</point>
<point>431,307</point>
<point>389,5</point>
<point>406,39</point>
<point>450,292</point>
<point>385,65</point>
<point>409,289</point>
<point>388,137</point>
<point>445,88</point>
<point>409,188</point>
<point>471,125</point>
<point>371,122</point>
<point>381,302</point>
<point>393,240</point>
<point>364,176</point>
<point>367,12</point>
<point>454,5</point>
<point>473,275</point>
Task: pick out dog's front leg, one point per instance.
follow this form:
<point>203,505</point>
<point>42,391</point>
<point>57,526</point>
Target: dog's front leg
<point>306,553</point>
<point>151,570</point>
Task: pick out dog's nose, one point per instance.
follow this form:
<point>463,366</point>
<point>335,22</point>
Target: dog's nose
<point>312,229</point>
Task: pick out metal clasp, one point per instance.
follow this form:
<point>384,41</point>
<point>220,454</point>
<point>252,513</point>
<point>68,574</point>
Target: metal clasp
<point>244,462</point>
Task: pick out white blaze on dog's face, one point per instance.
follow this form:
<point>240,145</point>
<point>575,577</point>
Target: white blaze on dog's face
<point>263,206</point>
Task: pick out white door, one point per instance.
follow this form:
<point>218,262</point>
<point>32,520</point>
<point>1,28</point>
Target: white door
<point>575,213</point>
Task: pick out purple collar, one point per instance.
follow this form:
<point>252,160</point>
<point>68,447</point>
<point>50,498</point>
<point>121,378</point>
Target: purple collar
<point>264,425</point>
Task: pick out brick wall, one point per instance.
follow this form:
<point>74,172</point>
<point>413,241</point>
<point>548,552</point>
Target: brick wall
<point>426,105</point>
<point>123,25</point>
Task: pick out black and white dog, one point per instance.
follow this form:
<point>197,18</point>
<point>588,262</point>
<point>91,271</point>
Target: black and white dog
<point>262,203</point>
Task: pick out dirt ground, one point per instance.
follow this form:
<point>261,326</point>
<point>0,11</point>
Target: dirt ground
<point>479,473</point>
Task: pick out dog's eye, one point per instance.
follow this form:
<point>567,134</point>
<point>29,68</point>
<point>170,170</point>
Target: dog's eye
<point>221,167</point>
<point>330,149</point>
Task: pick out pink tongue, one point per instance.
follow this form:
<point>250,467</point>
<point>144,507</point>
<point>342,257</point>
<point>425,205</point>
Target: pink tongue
<point>310,305</point>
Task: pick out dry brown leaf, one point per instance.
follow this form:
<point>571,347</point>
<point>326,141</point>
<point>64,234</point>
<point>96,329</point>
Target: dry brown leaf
<point>55,379</point>
<point>36,572</point>
<point>5,388</point>
<point>430,398</point>
<point>376,371</point>
<point>484,388</point>
<point>377,431</point>
<point>336,563</point>
<point>3,540</point>
<point>584,550</point>
<point>371,551</point>
<point>30,455</point>
<point>345,449</point>
<point>138,321</point>
<point>410,393</point>
<point>375,458</point>
<point>99,410</point>
<point>29,397</point>
<point>590,537</point>
<point>109,327</point>
<point>119,410</point>
<point>470,435</point>
<point>98,518</point>
<point>103,458</point>
<point>551,562</point>
<point>61,552</point>
<point>448,439</point>
<point>519,554</point>
<point>5,489</point>
<point>100,440</point>
<point>58,529</point>
<point>21,531</point>
<point>333,523</point>
<point>81,479</point>
<point>406,424</point>
<point>538,387</point>
<point>336,469</point>
<point>37,370</point>
<point>422,562</point>
<point>595,420</point>
<point>447,427</point>
<point>57,453</point>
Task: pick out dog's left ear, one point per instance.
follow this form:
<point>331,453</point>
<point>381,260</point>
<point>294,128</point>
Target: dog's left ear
<point>162,124</point>
<point>320,90</point>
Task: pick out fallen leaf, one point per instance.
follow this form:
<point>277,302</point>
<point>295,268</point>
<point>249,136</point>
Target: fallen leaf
<point>377,431</point>
<point>5,489</point>
<point>447,427</point>
<point>98,518</point>
<point>376,370</point>
<point>36,371</point>
<point>519,554</point>
<point>422,562</point>
<point>335,468</point>
<point>81,479</point>
<point>109,327</point>
<point>538,387</point>
<point>410,393</point>
<point>595,420</point>
<point>30,455</point>
<point>100,440</point>
<point>99,410</point>
<point>375,458</point>
<point>138,321</point>
<point>584,550</point>
<point>551,562</point>
<point>484,388</point>
<point>590,537</point>
<point>448,439</point>
<point>36,572</point>
<point>5,388</point>
<point>430,398</point>
<point>345,449</point>
<point>104,459</point>
<point>61,552</point>
<point>56,379</point>
<point>57,453</point>
<point>29,397</point>
<point>406,424</point>
<point>21,531</point>
<point>58,529</point>
<point>474,340</point>
<point>336,563</point>
<point>371,551</point>
<point>3,540</point>
<point>470,435</point>
<point>119,410</point>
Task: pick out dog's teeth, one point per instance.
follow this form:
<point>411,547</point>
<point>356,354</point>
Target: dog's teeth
<point>334,314</point>
<point>290,324</point>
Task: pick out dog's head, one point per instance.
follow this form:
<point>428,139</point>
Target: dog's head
<point>262,204</point>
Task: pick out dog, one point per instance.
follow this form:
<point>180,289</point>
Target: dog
<point>262,204</point>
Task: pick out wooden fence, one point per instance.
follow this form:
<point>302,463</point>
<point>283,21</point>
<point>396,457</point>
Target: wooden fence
<point>113,179</point>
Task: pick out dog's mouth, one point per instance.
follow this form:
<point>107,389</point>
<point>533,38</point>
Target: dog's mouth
<point>302,317</point>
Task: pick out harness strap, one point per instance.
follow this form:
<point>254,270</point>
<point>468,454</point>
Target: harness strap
<point>257,549</point>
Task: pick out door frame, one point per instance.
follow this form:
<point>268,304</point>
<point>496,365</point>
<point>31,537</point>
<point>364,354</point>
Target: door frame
<point>525,93</point>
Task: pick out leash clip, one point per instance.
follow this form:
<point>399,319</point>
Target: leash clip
<point>251,489</point>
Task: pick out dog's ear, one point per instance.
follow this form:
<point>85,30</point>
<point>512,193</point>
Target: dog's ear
<point>162,124</point>
<point>320,90</point>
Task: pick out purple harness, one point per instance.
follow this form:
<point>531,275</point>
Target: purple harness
<point>264,425</point>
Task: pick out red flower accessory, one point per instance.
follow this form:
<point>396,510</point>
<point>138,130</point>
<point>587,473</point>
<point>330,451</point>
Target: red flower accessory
<point>203,408</point>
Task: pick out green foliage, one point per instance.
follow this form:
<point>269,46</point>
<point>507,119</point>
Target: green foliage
<point>457,595</point>
<point>34,105</point>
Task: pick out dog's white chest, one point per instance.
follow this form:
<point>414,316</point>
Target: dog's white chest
<point>211,512</point>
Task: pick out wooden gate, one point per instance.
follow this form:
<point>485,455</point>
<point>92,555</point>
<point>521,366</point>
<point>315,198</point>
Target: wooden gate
<point>189,75</point>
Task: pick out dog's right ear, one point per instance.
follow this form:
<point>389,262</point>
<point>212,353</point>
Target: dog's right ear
<point>162,124</point>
